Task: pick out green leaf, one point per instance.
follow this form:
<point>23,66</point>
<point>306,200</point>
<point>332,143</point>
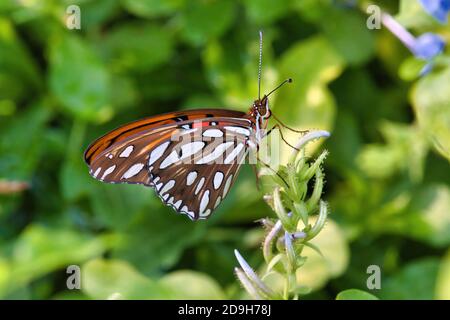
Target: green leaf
<point>40,250</point>
<point>79,80</point>
<point>233,72</point>
<point>312,64</point>
<point>266,11</point>
<point>333,262</point>
<point>166,234</point>
<point>432,206</point>
<point>345,142</point>
<point>355,294</point>
<point>431,101</point>
<point>202,20</point>
<point>348,33</point>
<point>192,285</point>
<point>312,10</point>
<point>419,213</point>
<point>308,103</point>
<point>443,279</point>
<point>70,295</point>
<point>5,274</point>
<point>75,180</point>
<point>19,75</point>
<point>115,279</point>
<point>411,68</point>
<point>7,5</point>
<point>124,93</point>
<point>413,15</point>
<point>96,13</point>
<point>406,148</point>
<point>415,281</point>
<point>152,8</point>
<point>109,202</point>
<point>139,46</point>
<point>21,149</point>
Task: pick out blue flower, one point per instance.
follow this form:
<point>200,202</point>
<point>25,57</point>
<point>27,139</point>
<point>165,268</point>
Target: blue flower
<point>425,47</point>
<point>428,45</point>
<point>439,9</point>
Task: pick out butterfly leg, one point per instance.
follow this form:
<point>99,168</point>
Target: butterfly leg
<point>278,126</point>
<point>273,170</point>
<point>255,150</point>
<point>289,128</point>
<point>281,134</point>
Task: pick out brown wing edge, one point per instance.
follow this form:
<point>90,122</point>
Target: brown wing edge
<point>169,118</point>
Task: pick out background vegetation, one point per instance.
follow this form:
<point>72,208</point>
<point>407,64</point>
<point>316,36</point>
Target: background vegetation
<point>387,173</point>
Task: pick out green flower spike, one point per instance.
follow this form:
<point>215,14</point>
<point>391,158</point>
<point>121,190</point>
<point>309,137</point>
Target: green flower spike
<point>287,235</point>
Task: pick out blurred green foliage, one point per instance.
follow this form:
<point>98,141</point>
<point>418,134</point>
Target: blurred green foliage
<point>387,174</point>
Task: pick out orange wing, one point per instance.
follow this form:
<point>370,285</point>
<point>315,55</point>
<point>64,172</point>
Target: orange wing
<point>191,159</point>
<point>158,121</point>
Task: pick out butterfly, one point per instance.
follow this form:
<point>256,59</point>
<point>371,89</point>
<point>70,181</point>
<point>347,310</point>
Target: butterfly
<point>190,158</point>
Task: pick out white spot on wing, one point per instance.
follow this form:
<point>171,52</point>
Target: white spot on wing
<point>190,179</point>
<point>191,148</point>
<point>188,130</point>
<point>205,214</point>
<point>133,170</point>
<point>177,204</point>
<point>217,202</point>
<point>227,185</point>
<point>186,211</point>
<point>97,172</point>
<point>108,171</point>
<point>200,185</point>
<point>187,150</point>
<point>170,159</point>
<point>239,130</point>
<point>233,154</point>
<point>158,152</point>
<point>204,202</point>
<point>213,133</point>
<point>169,185</point>
<point>125,153</point>
<point>217,152</point>
<point>218,178</point>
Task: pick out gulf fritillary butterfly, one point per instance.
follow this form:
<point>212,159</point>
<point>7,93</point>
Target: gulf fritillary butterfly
<point>186,175</point>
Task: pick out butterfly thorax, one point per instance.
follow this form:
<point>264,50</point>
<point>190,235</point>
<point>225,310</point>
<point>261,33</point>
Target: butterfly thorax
<point>259,114</point>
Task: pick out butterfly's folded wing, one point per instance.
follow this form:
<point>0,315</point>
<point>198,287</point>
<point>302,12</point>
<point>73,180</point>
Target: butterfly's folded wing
<point>126,161</point>
<point>166,120</point>
<point>190,160</point>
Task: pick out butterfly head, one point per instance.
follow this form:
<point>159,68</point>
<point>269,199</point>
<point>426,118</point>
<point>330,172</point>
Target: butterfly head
<point>260,108</point>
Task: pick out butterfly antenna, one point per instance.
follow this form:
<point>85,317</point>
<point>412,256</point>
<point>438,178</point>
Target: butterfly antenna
<point>279,86</point>
<point>289,80</point>
<point>260,63</point>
